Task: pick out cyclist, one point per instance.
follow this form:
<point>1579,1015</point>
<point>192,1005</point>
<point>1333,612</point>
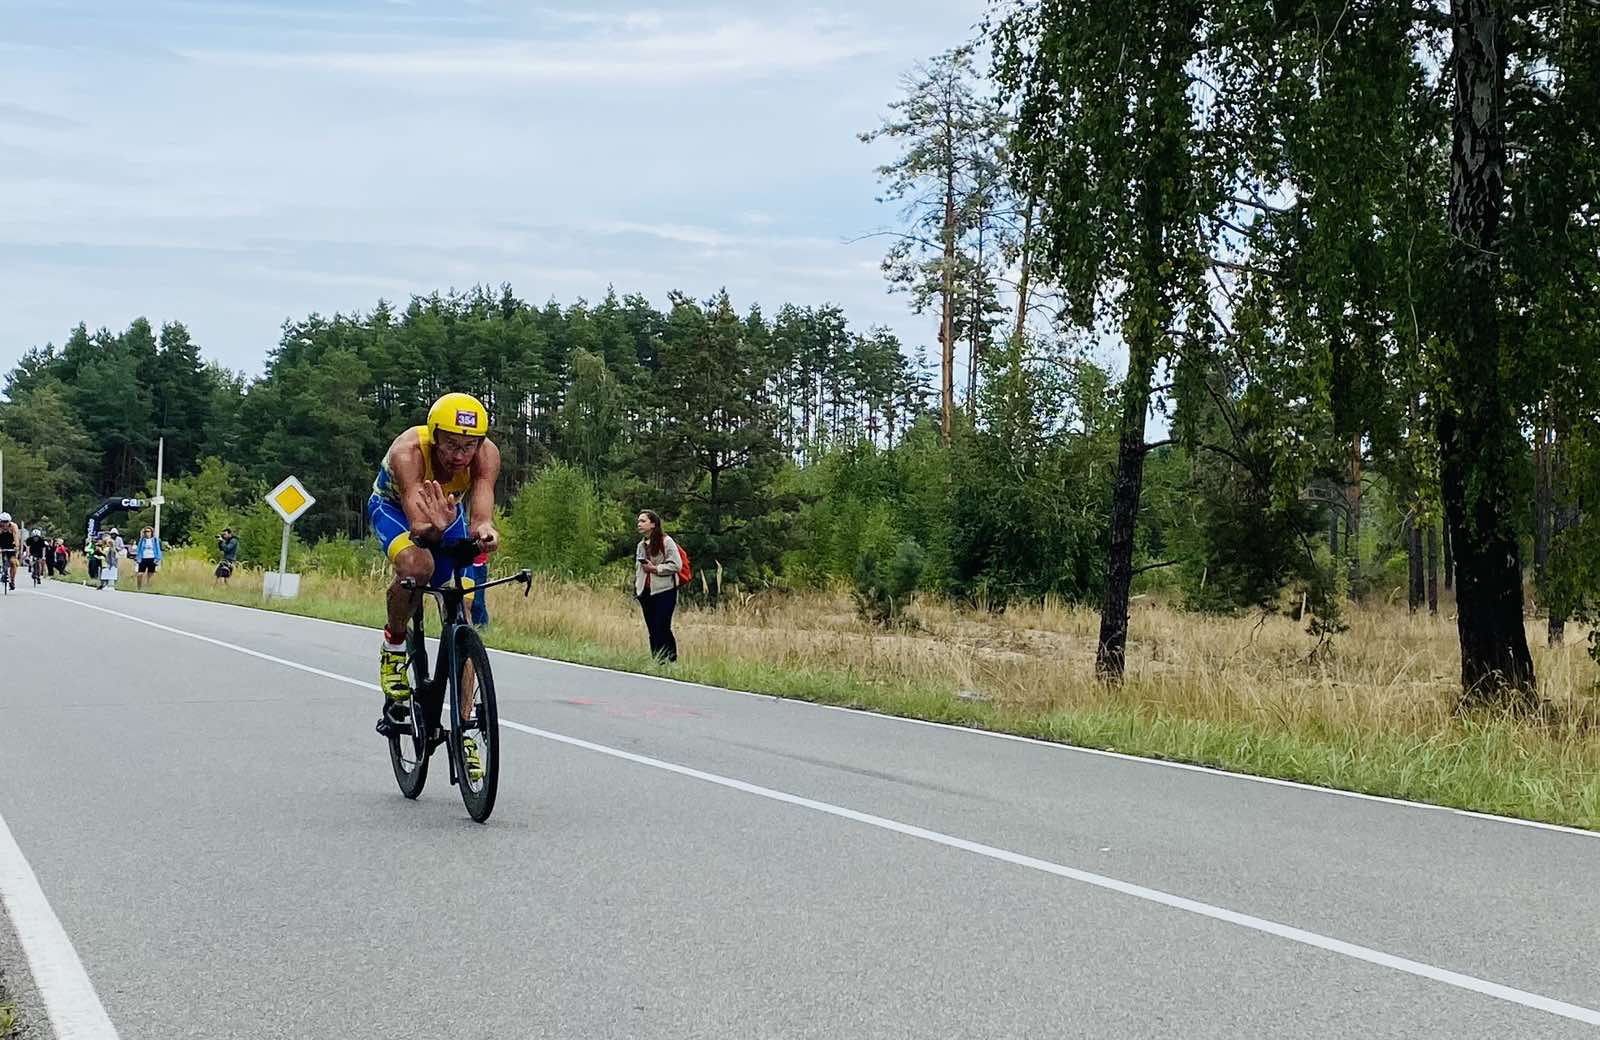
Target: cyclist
<point>37,546</point>
<point>9,537</point>
<point>436,484</point>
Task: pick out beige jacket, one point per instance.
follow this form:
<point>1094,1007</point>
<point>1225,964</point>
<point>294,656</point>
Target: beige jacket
<point>658,582</point>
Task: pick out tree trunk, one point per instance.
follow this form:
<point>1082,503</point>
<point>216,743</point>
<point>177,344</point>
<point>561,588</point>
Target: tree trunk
<point>947,322</point>
<point>1563,514</point>
<point>1433,568</point>
<point>1333,533</point>
<point>1352,498</point>
<point>1026,261</point>
<point>1146,325</point>
<point>1414,591</point>
<point>1477,432</point>
<point>1542,508</point>
<point>1111,658</point>
<point>1449,559</point>
<point>974,348</point>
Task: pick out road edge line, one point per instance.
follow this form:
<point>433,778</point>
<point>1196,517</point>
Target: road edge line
<point>1353,951</point>
<point>1120,756</point>
<point>70,1001</point>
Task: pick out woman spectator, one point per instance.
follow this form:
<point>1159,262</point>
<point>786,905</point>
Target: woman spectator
<point>657,563</point>
<point>108,568</point>
<point>60,557</point>
<point>148,554</point>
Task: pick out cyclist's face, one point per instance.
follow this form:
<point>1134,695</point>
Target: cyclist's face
<point>456,450</point>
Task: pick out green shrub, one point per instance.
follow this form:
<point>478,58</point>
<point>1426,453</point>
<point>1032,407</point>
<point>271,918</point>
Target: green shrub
<point>885,581</point>
<point>260,534</point>
<point>344,558</point>
<point>558,524</point>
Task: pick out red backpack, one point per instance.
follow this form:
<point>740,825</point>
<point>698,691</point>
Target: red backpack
<point>686,572</point>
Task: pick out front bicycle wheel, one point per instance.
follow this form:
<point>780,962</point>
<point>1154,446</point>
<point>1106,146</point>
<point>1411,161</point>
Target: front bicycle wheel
<point>408,752</point>
<point>472,695</point>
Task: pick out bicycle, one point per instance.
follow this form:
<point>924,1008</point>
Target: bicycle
<point>463,672</point>
<point>7,580</point>
<point>36,568</point>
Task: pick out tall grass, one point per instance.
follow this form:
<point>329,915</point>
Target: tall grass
<point>1377,714</point>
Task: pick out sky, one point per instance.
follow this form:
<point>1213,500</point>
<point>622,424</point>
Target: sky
<point>234,163</point>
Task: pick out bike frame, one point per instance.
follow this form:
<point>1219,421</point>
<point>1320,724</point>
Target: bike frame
<point>452,614</point>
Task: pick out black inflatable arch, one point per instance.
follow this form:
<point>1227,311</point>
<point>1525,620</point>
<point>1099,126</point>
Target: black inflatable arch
<point>109,506</point>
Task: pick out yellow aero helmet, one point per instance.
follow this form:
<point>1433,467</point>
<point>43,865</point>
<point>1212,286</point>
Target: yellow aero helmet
<point>459,413</point>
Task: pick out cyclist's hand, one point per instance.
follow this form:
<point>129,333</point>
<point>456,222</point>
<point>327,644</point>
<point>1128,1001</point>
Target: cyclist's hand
<point>487,536</point>
<point>438,511</point>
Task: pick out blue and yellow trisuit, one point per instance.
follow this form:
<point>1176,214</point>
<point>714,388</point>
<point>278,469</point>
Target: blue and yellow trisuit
<point>388,517</point>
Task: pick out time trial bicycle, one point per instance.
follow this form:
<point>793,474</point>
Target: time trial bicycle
<point>461,675</point>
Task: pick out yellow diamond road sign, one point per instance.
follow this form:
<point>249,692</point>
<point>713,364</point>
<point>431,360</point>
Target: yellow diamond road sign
<point>290,499</point>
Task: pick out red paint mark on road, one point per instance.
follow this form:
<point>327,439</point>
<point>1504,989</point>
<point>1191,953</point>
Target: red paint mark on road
<point>637,711</point>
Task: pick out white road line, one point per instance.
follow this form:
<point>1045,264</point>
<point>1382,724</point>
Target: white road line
<point>73,1007</point>
<point>1353,951</point>
<point>1150,895</point>
<point>215,642</point>
<point>1053,745</point>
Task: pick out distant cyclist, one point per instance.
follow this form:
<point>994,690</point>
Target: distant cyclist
<point>10,537</point>
<point>37,547</point>
<point>436,485</point>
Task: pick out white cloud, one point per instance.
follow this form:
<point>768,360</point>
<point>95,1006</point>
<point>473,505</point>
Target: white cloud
<point>636,48</point>
<point>343,159</point>
<point>276,13</point>
<point>715,240</point>
<point>33,118</point>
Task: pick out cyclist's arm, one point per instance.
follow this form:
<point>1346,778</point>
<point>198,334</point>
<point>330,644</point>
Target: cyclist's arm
<point>405,466</point>
<point>480,497</point>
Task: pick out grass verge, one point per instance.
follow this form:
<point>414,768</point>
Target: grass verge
<point>1311,734</point>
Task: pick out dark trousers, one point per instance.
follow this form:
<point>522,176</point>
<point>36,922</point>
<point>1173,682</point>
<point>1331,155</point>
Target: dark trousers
<point>658,610</point>
<point>479,573</point>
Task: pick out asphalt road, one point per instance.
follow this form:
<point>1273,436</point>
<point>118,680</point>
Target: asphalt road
<point>218,833</point>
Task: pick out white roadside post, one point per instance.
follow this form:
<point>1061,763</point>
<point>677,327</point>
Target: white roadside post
<point>289,500</point>
<point>161,454</point>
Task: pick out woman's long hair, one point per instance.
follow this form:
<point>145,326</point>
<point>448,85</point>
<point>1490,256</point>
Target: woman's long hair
<point>656,544</point>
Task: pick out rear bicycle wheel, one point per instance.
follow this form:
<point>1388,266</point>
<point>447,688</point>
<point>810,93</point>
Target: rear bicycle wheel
<point>408,752</point>
<point>472,688</point>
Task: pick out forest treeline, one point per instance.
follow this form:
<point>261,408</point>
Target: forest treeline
<point>1350,252</point>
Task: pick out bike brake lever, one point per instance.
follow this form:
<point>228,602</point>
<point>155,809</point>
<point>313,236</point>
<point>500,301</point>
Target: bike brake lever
<point>526,577</point>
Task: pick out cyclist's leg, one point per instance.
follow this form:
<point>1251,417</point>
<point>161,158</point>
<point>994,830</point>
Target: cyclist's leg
<point>408,561</point>
<point>412,562</point>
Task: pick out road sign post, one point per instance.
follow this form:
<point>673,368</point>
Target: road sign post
<point>161,455</point>
<point>289,500</point>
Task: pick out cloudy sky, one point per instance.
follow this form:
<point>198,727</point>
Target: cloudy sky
<point>232,163</point>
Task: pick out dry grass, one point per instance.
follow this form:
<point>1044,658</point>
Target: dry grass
<point>1376,714</point>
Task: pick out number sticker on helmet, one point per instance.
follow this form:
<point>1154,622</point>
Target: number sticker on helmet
<point>467,419</point>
